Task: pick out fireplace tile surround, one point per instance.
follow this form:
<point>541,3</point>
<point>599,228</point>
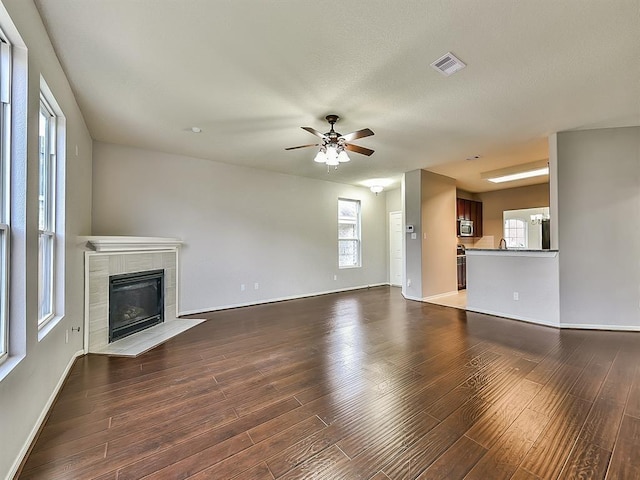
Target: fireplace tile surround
<point>117,255</point>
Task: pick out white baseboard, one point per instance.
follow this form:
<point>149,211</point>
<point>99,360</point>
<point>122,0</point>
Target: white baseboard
<point>509,316</point>
<point>587,326</point>
<point>415,299</point>
<point>563,326</point>
<point>278,299</point>
<point>440,295</point>
<point>43,416</point>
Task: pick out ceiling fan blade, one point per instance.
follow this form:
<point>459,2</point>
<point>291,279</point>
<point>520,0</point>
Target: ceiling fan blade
<point>303,146</point>
<point>365,132</point>
<point>315,132</point>
<point>358,149</point>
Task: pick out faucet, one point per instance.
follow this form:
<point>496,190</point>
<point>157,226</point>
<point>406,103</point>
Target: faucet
<point>503,244</point>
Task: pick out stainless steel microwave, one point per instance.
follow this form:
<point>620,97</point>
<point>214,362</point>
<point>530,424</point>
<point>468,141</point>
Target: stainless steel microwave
<point>465,228</point>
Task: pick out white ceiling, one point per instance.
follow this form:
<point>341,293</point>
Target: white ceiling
<point>250,73</point>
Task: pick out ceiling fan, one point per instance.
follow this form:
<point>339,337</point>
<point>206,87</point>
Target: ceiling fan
<point>334,145</point>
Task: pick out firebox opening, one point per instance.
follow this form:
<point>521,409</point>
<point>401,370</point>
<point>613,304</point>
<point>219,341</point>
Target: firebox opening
<point>136,302</point>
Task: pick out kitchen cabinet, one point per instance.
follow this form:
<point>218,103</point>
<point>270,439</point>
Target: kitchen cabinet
<point>470,210</point>
<point>462,272</point>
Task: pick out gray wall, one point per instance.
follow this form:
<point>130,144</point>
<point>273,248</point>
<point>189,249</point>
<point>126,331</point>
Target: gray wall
<point>394,200</point>
<point>412,207</point>
<point>599,239</point>
<point>239,225</point>
<point>36,368</point>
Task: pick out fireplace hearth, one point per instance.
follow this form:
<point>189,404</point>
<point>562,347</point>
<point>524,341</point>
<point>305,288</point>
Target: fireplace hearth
<point>136,302</point>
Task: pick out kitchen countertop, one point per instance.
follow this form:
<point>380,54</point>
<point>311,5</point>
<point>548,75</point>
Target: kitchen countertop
<point>508,250</point>
<point>510,253</point>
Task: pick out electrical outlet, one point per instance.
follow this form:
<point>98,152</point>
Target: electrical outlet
<point>516,296</point>
<point>408,282</point>
<point>256,286</point>
<point>242,287</point>
<point>335,277</point>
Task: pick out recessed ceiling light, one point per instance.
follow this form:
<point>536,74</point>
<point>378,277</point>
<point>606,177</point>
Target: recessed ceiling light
<point>517,172</point>
<point>196,129</point>
<point>520,176</point>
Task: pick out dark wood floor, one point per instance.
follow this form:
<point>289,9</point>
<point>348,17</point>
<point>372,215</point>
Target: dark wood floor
<point>358,385</point>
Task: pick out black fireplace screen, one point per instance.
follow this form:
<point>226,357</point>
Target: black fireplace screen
<point>136,302</point>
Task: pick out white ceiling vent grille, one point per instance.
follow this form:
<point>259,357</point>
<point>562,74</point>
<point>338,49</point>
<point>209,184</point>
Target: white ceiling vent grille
<point>448,64</point>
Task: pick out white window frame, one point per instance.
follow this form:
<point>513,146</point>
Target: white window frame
<point>512,240</point>
<point>47,177</point>
<point>5,197</point>
<point>358,237</point>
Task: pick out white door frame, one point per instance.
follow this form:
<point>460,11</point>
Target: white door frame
<point>400,239</point>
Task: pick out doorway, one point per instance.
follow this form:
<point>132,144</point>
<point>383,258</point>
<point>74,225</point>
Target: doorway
<point>396,238</point>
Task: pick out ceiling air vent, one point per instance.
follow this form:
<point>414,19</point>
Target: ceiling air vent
<point>448,64</point>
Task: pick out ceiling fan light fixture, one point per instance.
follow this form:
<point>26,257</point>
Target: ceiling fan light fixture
<point>332,156</point>
<point>343,157</point>
<point>321,157</point>
<point>334,146</point>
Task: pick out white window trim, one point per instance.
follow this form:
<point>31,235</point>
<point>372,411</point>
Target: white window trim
<point>5,201</point>
<point>49,229</point>
<point>5,255</point>
<point>525,228</point>
<point>16,151</point>
<point>357,239</point>
<point>45,325</point>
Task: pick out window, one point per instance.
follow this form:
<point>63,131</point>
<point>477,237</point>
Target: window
<point>5,232</point>
<point>46,214</point>
<point>515,233</point>
<point>348,233</point>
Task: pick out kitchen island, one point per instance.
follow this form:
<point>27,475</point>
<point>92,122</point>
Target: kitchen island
<point>518,284</point>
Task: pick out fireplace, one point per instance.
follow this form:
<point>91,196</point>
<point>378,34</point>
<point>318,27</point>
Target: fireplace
<point>136,302</point>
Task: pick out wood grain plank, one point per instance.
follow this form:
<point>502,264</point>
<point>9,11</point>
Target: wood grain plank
<point>422,452</point>
<point>502,414</point>
<point>593,376</point>
<point>65,467</point>
<point>348,386</point>
<point>549,453</point>
<point>175,452</point>
<point>455,462</point>
<point>318,466</point>
<point>602,424</point>
<point>632,407</point>
<point>587,461</point>
<point>625,461</point>
<point>503,459</point>
<point>259,472</point>
<point>191,465</point>
<point>618,383</point>
<point>522,474</point>
<point>240,461</point>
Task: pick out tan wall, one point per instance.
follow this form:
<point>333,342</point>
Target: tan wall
<point>439,239</point>
<point>494,203</point>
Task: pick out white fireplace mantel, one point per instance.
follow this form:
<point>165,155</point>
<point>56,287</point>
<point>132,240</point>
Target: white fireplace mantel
<point>129,244</point>
<point>115,255</point>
